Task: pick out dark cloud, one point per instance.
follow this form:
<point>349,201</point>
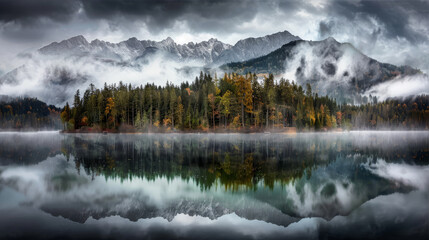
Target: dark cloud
<point>27,11</point>
<point>27,20</point>
<point>380,21</point>
<point>159,14</point>
<point>325,28</point>
<point>213,15</point>
<point>394,15</point>
<point>153,12</point>
<point>166,10</point>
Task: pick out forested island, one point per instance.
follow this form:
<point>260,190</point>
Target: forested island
<point>233,103</point>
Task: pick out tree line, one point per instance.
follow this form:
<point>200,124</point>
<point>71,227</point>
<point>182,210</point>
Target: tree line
<point>28,113</point>
<point>234,101</point>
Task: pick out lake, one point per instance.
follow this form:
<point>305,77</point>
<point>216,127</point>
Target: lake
<point>208,186</point>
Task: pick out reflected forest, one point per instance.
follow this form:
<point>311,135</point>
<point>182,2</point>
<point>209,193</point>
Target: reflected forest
<point>231,162</point>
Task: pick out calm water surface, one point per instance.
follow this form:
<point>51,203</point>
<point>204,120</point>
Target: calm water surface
<point>229,186</point>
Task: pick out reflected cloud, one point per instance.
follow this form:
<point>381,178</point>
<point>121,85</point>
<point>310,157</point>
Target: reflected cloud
<point>412,175</point>
<point>243,186</point>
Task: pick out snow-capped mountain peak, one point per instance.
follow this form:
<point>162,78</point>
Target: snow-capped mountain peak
<point>75,43</point>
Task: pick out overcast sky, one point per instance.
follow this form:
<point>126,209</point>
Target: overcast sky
<point>388,30</point>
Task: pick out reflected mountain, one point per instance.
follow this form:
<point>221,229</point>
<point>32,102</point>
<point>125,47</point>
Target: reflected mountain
<point>275,178</point>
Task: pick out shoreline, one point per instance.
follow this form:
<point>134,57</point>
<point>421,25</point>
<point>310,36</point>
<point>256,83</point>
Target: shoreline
<point>288,130</point>
<point>220,133</point>
<point>169,131</point>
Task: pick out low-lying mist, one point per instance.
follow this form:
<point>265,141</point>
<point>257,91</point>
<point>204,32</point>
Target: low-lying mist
<point>343,72</point>
<point>55,80</point>
<point>401,87</point>
<point>332,68</point>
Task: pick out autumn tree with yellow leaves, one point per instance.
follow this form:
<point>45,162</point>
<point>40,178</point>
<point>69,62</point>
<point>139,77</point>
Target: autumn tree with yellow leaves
<point>233,101</point>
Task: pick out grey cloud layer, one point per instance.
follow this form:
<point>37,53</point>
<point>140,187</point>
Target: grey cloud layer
<point>205,15</point>
<point>26,11</point>
<point>395,15</point>
<point>389,30</point>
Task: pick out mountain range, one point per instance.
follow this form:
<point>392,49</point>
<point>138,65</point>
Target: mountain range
<point>210,52</point>
<point>336,69</point>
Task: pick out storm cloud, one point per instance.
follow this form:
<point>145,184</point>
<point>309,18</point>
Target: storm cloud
<point>396,17</point>
<point>25,11</point>
<point>390,31</point>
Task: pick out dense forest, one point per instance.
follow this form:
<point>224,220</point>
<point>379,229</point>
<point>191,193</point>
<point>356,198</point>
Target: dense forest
<point>28,113</point>
<point>233,103</point>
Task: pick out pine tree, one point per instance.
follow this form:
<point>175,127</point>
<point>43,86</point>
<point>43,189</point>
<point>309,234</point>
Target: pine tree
<point>65,115</point>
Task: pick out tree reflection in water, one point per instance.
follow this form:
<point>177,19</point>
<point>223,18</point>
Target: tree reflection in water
<point>347,179</point>
<point>234,161</point>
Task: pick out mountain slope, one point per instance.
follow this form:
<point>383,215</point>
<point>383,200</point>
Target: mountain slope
<point>332,68</point>
<point>255,47</point>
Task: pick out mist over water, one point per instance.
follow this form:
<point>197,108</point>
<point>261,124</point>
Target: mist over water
<point>232,186</point>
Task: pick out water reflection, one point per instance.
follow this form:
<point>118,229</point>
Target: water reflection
<point>276,179</point>
<point>28,147</point>
<point>237,161</point>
